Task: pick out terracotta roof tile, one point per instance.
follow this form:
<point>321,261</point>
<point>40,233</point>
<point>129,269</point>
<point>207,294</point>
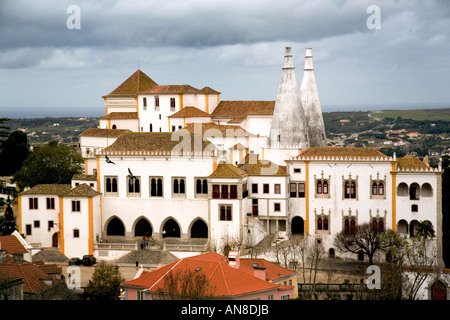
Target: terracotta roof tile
<point>226,280</point>
<point>211,129</point>
<point>263,168</point>
<point>82,190</point>
<point>11,244</point>
<point>153,142</point>
<point>48,189</point>
<point>138,82</point>
<point>226,170</point>
<point>190,112</point>
<point>103,133</point>
<point>30,274</point>
<point>410,162</point>
<point>173,89</point>
<point>208,90</point>
<point>85,177</point>
<point>237,111</point>
<point>273,271</point>
<point>341,152</point>
<point>120,116</point>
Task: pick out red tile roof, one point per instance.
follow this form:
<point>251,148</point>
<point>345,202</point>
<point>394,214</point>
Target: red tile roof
<point>120,116</point>
<point>211,129</point>
<point>11,244</point>
<point>190,112</point>
<point>138,82</point>
<point>237,111</point>
<point>103,133</point>
<point>263,168</point>
<point>226,170</point>
<point>410,162</point>
<point>341,152</point>
<point>30,274</point>
<point>226,281</point>
<point>274,272</point>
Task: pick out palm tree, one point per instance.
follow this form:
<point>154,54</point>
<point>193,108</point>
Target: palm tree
<point>425,229</point>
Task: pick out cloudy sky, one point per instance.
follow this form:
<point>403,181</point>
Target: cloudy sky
<point>235,47</point>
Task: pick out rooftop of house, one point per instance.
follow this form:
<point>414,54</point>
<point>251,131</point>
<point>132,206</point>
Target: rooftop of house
<point>103,133</point>
<point>190,112</point>
<point>263,168</point>
<point>62,190</point>
<point>211,129</point>
<point>11,244</point>
<point>354,152</point>
<point>274,272</point>
<point>226,170</point>
<point>410,162</point>
<point>138,82</point>
<point>156,142</point>
<point>120,116</point>
<point>237,111</point>
<point>225,280</point>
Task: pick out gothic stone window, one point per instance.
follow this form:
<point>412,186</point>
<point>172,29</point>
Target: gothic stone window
<point>156,186</point>
<point>322,221</point>
<point>322,186</point>
<point>350,188</point>
<point>111,186</point>
<point>134,186</point>
<point>377,187</point>
<point>179,187</point>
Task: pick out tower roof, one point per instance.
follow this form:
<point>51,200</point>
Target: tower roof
<point>137,83</point>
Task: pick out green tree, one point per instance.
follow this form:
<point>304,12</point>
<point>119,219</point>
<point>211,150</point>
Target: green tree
<point>4,130</point>
<point>106,283</point>
<point>14,151</point>
<point>53,163</point>
<point>425,229</point>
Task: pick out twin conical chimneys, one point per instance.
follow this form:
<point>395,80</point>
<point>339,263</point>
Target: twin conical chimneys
<point>297,117</point>
<point>311,104</point>
<point>288,121</point>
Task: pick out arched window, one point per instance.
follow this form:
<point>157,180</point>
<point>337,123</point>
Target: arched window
<point>182,186</point>
<point>319,224</point>
<point>374,226</point>
<point>381,188</point>
<point>198,186</point>
<point>153,188</point>
<point>347,226</point>
<point>114,126</point>
<point>319,187</point>
<point>353,226</point>
<point>347,190</point>
<point>374,189</point>
<point>159,188</point>
<point>325,187</point>
<point>325,224</point>
<point>353,190</point>
<point>108,185</point>
<point>176,188</point>
<point>381,226</point>
<point>205,186</point>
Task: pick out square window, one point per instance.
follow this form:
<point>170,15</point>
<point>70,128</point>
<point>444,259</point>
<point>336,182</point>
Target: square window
<point>254,188</point>
<point>297,170</point>
<point>76,206</point>
<point>76,233</point>
<point>225,213</point>
<point>28,229</point>
<point>37,223</point>
<point>50,203</point>
<point>277,188</point>
<point>266,188</point>
<point>276,206</point>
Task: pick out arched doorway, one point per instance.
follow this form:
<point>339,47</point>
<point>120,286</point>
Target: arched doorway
<point>171,229</point>
<point>199,229</point>
<point>438,291</point>
<point>55,240</point>
<point>143,228</point>
<point>115,228</point>
<point>297,225</point>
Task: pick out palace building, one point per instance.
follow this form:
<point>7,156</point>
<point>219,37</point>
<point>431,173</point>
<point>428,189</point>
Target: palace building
<point>176,162</point>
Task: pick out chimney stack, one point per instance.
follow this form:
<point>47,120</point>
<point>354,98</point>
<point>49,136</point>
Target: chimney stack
<point>233,259</point>
<point>17,257</point>
<point>259,272</point>
<point>311,104</point>
<point>3,255</point>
